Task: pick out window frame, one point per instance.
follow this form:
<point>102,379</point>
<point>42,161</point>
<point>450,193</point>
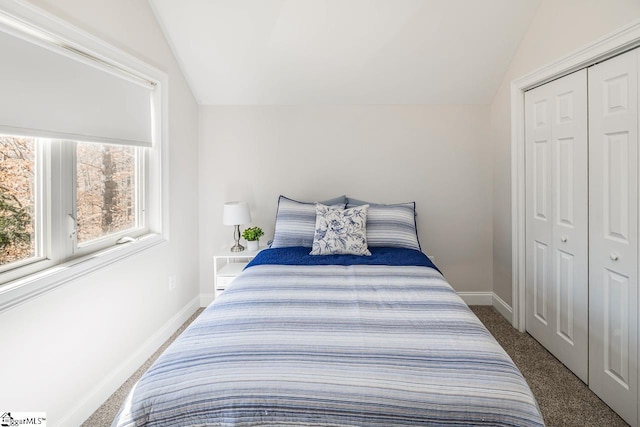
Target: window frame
<point>39,276</point>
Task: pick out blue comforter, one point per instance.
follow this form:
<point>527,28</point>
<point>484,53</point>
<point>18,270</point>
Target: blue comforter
<point>337,345</point>
<point>379,256</point>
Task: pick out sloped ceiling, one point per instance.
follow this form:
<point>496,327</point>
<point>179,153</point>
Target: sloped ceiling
<point>268,52</point>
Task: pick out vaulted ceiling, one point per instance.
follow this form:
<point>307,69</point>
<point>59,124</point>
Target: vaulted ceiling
<point>265,52</point>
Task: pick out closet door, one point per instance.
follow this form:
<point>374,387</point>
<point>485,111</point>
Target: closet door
<point>613,233</point>
<point>556,218</point>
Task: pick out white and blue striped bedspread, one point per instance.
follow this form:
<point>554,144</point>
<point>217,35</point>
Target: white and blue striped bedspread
<point>327,345</point>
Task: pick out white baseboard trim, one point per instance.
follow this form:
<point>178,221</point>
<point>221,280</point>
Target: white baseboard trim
<point>488,298</point>
<point>476,298</point>
<point>502,307</point>
<point>101,392</point>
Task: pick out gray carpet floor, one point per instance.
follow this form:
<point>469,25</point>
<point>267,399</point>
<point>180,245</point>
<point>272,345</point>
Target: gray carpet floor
<point>564,400</point>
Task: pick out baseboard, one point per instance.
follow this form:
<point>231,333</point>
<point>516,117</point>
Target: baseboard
<point>488,298</point>
<point>476,298</point>
<point>101,392</point>
<point>502,307</point>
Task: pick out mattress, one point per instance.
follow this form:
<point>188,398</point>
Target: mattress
<point>334,344</point>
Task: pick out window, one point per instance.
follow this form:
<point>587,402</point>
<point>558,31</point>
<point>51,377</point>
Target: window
<point>100,201</point>
<point>81,154</point>
<point>18,211</point>
<point>108,200</point>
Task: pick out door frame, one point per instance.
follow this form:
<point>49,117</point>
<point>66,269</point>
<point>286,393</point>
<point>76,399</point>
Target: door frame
<point>614,43</point>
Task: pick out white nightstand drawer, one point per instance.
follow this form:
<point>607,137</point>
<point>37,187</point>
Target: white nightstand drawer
<point>227,266</point>
<point>222,282</point>
<point>232,269</point>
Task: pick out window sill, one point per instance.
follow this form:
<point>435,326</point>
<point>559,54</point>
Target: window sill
<point>24,289</point>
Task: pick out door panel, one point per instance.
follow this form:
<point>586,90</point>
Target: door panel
<point>616,185</point>
<point>616,363</point>
<point>556,210</point>
<point>564,298</point>
<point>541,179</point>
<point>613,242</point>
<point>540,282</point>
<point>539,202</point>
<point>564,181</point>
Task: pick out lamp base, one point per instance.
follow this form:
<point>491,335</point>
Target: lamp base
<point>236,236</point>
<point>237,248</point>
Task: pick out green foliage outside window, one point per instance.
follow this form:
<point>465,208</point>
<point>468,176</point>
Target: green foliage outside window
<point>15,220</point>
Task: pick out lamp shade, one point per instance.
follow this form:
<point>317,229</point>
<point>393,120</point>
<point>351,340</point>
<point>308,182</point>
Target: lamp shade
<point>236,213</point>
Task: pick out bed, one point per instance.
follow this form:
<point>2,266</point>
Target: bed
<point>337,340</point>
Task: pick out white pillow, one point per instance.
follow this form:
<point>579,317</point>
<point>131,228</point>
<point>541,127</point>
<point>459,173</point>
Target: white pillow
<point>340,231</point>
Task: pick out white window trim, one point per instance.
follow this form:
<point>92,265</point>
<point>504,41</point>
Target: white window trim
<point>26,288</point>
<point>618,41</point>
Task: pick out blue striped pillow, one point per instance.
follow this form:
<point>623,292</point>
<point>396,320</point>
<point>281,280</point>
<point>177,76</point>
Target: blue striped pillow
<point>391,225</point>
<point>296,221</point>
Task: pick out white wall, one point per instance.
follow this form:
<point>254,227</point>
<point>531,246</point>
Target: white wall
<point>438,156</point>
<point>559,28</point>
<point>65,352</point>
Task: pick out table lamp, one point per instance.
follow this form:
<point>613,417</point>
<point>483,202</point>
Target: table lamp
<point>236,213</point>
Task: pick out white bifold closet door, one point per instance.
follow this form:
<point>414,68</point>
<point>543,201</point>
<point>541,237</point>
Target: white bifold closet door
<point>613,233</point>
<point>556,219</point>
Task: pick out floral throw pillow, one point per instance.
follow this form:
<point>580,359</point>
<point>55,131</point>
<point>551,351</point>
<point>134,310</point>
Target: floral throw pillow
<point>340,231</point>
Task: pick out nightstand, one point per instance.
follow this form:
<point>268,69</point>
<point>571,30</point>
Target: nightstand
<point>227,265</point>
